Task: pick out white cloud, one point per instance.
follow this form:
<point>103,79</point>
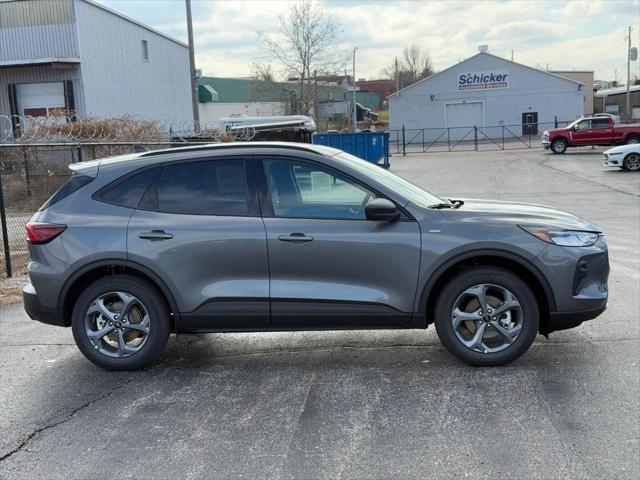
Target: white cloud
<point>580,34</point>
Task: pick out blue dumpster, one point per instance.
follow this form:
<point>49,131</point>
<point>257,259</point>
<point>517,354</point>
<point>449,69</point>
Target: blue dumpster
<point>370,146</point>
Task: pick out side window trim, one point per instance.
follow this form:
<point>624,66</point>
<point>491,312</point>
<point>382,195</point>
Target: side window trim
<point>266,205</point>
<point>99,195</point>
<point>253,203</point>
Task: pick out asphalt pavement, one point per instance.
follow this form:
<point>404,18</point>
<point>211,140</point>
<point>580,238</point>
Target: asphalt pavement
<point>355,404</point>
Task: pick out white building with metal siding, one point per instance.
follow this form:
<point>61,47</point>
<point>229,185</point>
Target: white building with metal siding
<point>102,63</point>
<point>488,92</point>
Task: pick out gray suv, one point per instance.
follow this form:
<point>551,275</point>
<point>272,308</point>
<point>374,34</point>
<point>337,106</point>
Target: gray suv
<point>281,236</point>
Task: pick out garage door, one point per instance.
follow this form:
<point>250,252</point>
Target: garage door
<point>461,117</point>
<point>38,99</point>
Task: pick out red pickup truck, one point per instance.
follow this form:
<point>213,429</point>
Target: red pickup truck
<point>590,131</point>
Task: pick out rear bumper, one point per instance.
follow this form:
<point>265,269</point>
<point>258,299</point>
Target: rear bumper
<point>37,311</point>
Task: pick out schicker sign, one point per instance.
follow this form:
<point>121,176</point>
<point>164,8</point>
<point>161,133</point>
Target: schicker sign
<point>481,80</point>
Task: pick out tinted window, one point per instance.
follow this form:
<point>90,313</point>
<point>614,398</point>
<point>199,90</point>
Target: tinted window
<point>308,191</point>
<point>75,183</point>
<point>129,191</point>
<point>600,123</point>
<point>210,187</point>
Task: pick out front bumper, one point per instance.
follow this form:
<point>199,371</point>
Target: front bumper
<point>566,320</point>
<point>608,161</point>
<point>37,311</point>
<point>578,278</point>
<point>545,141</point>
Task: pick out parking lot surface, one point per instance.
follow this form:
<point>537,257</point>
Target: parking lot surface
<point>373,404</point>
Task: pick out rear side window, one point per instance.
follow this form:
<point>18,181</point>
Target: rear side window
<point>210,187</point>
<point>75,183</point>
<point>129,191</point>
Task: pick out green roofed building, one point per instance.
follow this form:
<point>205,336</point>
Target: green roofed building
<point>223,97</point>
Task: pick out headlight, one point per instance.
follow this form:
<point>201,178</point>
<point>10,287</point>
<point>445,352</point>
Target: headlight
<point>565,238</point>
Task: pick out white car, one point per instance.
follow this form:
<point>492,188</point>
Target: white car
<point>626,157</point>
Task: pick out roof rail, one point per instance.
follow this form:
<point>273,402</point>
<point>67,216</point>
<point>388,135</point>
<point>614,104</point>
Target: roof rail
<point>230,146</point>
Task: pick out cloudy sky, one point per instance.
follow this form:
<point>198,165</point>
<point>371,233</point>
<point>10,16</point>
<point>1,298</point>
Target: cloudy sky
<point>580,34</point>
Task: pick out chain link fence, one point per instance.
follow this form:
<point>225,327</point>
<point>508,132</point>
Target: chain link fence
<point>29,175</point>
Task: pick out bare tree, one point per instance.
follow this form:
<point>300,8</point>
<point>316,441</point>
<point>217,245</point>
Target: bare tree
<point>303,44</point>
<point>413,66</point>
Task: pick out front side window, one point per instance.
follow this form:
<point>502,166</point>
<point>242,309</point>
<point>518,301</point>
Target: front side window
<point>210,187</point>
<point>583,125</point>
<point>304,190</point>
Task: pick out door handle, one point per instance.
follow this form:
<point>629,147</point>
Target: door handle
<point>155,235</point>
<point>295,237</point>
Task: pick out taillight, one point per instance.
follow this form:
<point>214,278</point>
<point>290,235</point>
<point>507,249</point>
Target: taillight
<point>39,233</point>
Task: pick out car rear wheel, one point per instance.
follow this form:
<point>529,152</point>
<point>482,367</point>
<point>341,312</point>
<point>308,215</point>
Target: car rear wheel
<point>559,145</point>
<point>487,316</point>
<point>121,322</point>
<point>632,162</point>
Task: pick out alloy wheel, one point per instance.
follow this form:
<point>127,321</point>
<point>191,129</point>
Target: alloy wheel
<point>632,162</point>
<point>559,146</point>
<point>487,318</point>
<point>117,324</point>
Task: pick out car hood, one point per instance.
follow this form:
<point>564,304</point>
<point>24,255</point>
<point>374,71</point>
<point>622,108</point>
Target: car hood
<point>624,149</point>
<point>555,130</point>
<point>494,211</point>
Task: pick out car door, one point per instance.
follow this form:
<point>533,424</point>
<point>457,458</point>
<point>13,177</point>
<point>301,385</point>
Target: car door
<point>198,227</point>
<point>601,131</point>
<point>329,266</point>
<point>581,133</point>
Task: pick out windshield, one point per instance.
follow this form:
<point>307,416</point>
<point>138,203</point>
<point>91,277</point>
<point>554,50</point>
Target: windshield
<point>407,189</point>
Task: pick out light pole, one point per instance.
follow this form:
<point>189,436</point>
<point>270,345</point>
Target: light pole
<point>628,97</point>
<point>355,112</point>
<point>192,67</point>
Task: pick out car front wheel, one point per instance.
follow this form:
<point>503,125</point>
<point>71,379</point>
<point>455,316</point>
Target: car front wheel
<point>121,322</point>
<point>559,145</point>
<point>632,162</point>
<point>487,316</point>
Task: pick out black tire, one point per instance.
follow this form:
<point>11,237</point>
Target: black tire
<point>632,139</point>
<point>559,145</point>
<point>494,276</point>
<point>155,305</point>
<point>632,162</point>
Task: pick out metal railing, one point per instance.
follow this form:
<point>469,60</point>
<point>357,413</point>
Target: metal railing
<point>471,138</point>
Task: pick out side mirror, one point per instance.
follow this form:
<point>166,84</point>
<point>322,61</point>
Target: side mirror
<point>381,210</point>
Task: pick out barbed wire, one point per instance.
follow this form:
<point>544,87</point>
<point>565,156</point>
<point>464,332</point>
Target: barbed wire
<point>61,128</point>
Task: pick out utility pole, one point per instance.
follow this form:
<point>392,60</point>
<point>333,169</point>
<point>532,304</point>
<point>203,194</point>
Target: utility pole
<point>396,75</point>
<point>355,110</point>
<point>192,62</point>
<point>628,106</point>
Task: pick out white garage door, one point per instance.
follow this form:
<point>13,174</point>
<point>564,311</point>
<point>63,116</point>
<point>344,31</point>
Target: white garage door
<point>461,117</point>
<point>38,99</point>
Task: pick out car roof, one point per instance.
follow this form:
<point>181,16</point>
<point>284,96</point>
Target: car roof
<point>202,149</point>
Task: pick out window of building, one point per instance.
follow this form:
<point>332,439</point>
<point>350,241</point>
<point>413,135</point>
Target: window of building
<point>210,187</point>
<point>613,109</point>
<point>304,190</point>
<point>635,112</point>
<point>145,50</point>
